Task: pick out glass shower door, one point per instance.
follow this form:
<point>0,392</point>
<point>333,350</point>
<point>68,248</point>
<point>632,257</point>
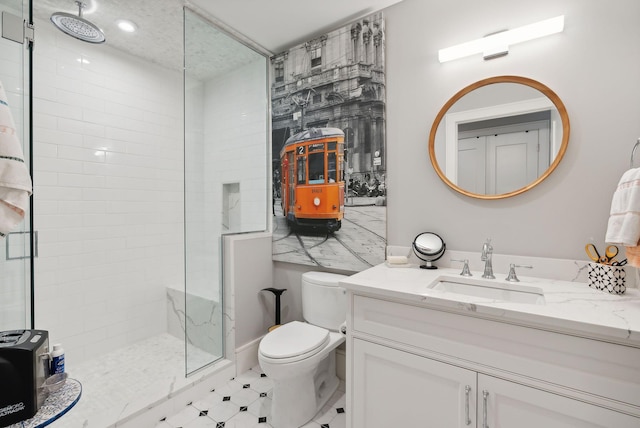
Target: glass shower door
<point>226,178</point>
<point>15,257</point>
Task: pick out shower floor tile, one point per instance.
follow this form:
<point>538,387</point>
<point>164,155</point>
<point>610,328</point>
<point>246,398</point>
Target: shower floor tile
<point>245,402</point>
<point>126,379</point>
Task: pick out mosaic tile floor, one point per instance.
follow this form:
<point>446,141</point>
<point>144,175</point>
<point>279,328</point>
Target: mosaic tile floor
<point>245,402</point>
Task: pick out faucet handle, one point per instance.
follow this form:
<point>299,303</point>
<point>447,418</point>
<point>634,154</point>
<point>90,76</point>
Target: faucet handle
<point>512,277</point>
<point>487,250</point>
<point>465,268</point>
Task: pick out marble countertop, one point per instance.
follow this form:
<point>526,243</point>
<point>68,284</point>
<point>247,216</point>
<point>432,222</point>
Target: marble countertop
<point>569,307</point>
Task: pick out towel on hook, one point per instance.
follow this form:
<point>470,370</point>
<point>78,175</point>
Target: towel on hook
<point>15,182</point>
<point>623,227</point>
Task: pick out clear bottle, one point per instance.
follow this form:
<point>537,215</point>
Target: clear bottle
<point>57,359</point>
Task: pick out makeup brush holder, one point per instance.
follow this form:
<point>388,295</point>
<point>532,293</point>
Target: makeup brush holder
<point>607,278</point>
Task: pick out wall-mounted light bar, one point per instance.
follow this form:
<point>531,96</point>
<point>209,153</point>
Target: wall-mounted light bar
<point>497,44</point>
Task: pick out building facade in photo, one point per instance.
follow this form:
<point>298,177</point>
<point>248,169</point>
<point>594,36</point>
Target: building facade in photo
<point>336,80</point>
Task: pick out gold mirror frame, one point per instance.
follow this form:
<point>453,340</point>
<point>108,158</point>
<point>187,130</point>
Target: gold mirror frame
<point>489,81</point>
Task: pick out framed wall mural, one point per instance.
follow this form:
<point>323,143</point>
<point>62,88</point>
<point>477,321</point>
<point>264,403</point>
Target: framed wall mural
<point>329,149</point>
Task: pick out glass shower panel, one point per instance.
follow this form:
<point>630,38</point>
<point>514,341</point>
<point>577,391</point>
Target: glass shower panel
<point>226,177</point>
<point>14,248</point>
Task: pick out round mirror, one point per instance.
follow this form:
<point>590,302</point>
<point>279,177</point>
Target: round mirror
<point>499,137</point>
<point>429,247</point>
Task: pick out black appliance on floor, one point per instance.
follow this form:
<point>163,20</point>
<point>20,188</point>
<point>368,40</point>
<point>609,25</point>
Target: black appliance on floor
<point>24,366</point>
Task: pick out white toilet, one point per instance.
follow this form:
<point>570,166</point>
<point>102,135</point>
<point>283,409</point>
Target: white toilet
<point>300,358</point>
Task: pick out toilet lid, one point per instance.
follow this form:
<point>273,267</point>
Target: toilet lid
<point>294,339</point>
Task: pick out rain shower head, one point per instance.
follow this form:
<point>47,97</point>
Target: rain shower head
<point>77,26</point>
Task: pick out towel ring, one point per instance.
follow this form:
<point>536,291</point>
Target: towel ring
<point>633,152</point>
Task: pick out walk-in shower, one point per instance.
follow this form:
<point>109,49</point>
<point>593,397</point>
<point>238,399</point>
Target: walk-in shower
<point>144,155</point>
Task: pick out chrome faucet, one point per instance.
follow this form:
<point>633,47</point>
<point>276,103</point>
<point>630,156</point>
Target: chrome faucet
<point>512,277</point>
<point>487,252</point>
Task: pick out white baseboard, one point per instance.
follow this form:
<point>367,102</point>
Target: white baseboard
<point>247,355</point>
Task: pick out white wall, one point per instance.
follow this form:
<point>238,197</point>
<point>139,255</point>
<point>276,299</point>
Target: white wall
<point>248,270</point>
<point>235,147</point>
<point>225,143</point>
<point>594,66</point>
<point>108,193</point>
<point>199,268</point>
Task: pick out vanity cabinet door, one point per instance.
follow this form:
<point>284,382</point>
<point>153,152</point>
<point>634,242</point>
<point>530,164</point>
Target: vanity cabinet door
<point>509,404</point>
<point>393,388</point>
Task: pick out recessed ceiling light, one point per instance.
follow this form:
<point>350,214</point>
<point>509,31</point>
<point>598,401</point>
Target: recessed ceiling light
<point>126,26</point>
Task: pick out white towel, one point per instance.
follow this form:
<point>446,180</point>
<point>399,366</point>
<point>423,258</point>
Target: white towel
<point>624,218</point>
<point>15,182</point>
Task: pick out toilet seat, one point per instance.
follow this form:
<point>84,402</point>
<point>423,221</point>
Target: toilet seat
<point>293,341</point>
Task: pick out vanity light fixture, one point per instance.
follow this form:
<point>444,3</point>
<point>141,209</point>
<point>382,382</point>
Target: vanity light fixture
<point>497,44</point>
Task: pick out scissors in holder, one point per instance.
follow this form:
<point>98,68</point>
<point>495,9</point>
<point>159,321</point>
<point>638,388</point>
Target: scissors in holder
<point>609,254</point>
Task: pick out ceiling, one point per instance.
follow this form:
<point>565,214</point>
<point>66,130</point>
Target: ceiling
<point>279,24</point>
<point>273,25</point>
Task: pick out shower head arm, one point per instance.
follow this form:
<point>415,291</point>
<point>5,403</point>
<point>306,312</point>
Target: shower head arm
<point>81,6</point>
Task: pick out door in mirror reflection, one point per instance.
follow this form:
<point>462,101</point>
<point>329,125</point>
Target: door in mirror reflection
<point>502,159</point>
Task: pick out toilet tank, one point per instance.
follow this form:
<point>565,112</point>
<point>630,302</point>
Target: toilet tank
<point>324,303</point>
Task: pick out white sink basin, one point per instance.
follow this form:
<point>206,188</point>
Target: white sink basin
<point>488,289</point>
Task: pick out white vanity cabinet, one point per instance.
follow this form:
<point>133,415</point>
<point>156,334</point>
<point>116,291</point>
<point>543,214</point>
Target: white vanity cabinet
<point>393,388</point>
<point>417,365</point>
<point>510,404</point>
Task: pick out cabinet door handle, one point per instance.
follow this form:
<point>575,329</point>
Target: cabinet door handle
<point>485,398</point>
<point>467,391</point>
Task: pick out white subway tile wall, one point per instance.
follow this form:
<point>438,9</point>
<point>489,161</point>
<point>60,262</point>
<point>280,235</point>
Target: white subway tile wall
<point>226,142</point>
<point>108,137</point>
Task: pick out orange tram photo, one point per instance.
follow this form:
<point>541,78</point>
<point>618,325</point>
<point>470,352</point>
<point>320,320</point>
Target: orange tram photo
<point>312,175</point>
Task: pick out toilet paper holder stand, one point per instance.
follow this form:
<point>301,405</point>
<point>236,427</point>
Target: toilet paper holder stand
<point>277,292</point>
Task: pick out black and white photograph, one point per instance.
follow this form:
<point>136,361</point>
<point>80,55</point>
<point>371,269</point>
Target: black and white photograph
<point>329,148</point>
